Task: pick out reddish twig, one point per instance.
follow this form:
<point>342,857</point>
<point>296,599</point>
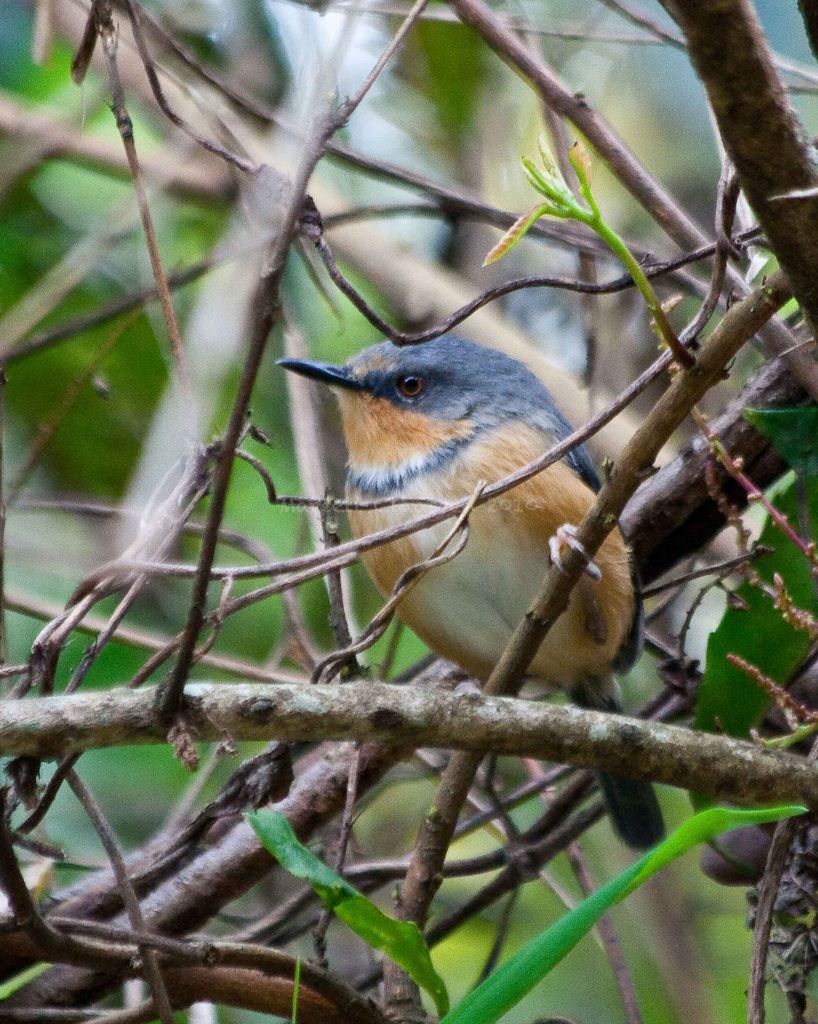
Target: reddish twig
<point>779,696</point>
<point>735,468</point>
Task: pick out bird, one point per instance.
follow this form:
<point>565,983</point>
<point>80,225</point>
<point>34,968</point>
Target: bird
<point>433,421</point>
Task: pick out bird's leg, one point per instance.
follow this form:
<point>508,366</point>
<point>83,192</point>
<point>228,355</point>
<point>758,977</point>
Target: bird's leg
<point>566,536</point>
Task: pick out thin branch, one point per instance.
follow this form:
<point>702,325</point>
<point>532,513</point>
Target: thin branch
<point>237,974</point>
<point>609,938</point>
<point>767,891</point>
<point>319,931</point>
<point>350,105</point>
<point>717,569</point>
<point>347,664</point>
<point>135,14</point>
<point>153,974</point>
<point>646,23</point>
<point>47,940</point>
<point>726,200</point>
<point>264,313</point>
<point>49,793</point>
<point>313,229</point>
<point>102,14</point>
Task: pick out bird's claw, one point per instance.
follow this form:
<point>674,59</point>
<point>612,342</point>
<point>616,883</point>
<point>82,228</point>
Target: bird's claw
<point>566,536</point>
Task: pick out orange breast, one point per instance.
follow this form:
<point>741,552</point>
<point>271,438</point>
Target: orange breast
<point>467,609</point>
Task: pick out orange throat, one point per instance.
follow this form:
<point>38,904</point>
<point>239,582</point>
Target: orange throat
<point>389,447</point>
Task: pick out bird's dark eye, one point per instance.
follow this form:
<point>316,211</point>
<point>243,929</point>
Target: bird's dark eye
<point>410,385</point>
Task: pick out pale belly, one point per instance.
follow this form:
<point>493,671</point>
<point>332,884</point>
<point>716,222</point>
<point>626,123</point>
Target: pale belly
<point>467,609</point>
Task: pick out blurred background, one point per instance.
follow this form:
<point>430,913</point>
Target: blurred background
<point>93,423</point>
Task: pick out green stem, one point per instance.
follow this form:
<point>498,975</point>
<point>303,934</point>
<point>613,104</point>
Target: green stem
<point>563,203</point>
<point>663,327</point>
<point>803,732</point>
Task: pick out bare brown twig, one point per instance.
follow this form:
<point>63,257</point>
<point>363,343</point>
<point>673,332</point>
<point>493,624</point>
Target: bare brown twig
<point>135,15</point>
<point>609,938</point>
<point>101,14</point>
<point>153,974</point>
<point>767,891</point>
<point>265,312</point>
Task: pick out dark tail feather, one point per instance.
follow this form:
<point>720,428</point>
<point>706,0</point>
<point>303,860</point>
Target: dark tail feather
<point>634,810</point>
<point>632,804</point>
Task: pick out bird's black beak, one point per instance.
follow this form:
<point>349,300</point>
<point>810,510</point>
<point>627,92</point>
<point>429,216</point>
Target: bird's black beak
<point>335,376</point>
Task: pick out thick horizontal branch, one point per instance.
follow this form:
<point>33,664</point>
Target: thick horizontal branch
<point>727,768</point>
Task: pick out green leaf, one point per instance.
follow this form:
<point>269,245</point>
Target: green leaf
<point>580,160</point>
<point>400,940</point>
<point>9,987</point>
<point>507,986</point>
<point>728,701</point>
<point>794,432</point>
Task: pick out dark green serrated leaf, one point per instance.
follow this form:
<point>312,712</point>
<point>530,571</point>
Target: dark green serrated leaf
<point>728,700</point>
<point>794,432</point>
<point>400,940</point>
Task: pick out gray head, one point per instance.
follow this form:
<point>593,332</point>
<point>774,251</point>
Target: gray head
<point>451,380</point>
<point>448,379</point>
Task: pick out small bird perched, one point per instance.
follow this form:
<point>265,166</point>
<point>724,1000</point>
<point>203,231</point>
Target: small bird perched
<point>431,421</point>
